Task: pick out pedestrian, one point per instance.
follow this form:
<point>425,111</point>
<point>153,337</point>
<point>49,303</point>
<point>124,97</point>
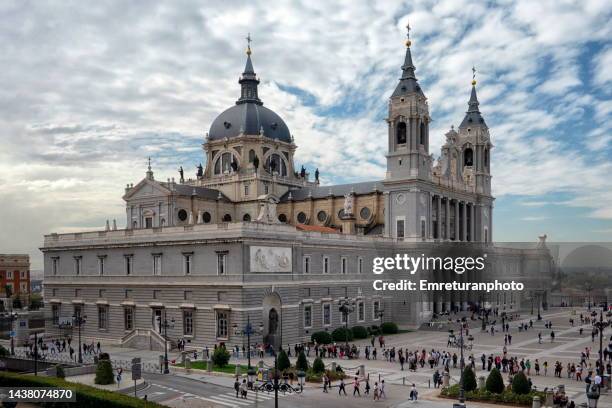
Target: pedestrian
<point>540,338</point>
<point>413,393</point>
<point>367,387</point>
<point>382,390</point>
<point>341,388</point>
<point>376,392</point>
<point>99,348</point>
<point>356,387</point>
<point>243,390</point>
<point>119,371</point>
<point>237,386</point>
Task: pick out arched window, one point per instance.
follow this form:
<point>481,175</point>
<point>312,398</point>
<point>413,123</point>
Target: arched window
<point>486,158</point>
<point>422,134</point>
<point>251,155</point>
<point>275,164</point>
<point>224,163</point>
<point>401,133</point>
<point>246,218</point>
<point>227,218</point>
<point>468,157</point>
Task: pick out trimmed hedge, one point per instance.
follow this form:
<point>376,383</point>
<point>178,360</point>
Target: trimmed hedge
<point>342,334</point>
<point>86,396</point>
<point>302,362</point>
<point>469,379</point>
<point>374,330</point>
<point>505,397</point>
<point>495,382</point>
<point>318,366</point>
<point>520,385</point>
<point>221,356</point>
<point>283,361</point>
<point>321,337</point>
<point>104,373</point>
<point>389,328</point>
<point>359,332</point>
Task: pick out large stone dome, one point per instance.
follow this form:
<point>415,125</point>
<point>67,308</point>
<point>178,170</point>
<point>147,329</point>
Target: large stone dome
<point>249,118</point>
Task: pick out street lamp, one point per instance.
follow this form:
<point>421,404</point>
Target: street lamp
<point>11,317</point>
<point>346,307</point>
<point>588,289</point>
<point>461,403</point>
<point>248,330</point>
<point>601,325</point>
<point>164,324</point>
<point>79,321</point>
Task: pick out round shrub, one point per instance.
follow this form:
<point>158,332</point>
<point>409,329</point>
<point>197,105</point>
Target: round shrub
<point>59,371</point>
<point>283,361</point>
<point>520,385</point>
<point>374,330</point>
<point>389,328</point>
<point>321,337</point>
<point>359,332</point>
<point>495,382</point>
<point>221,356</point>
<point>302,362</point>
<point>104,373</point>
<point>469,379</point>
<point>318,366</point>
<point>342,334</point>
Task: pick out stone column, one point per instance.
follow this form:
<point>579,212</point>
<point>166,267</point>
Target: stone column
<point>472,223</point>
<point>447,219</point>
<point>464,221</point>
<point>439,216</point>
<point>388,225</point>
<point>457,220</point>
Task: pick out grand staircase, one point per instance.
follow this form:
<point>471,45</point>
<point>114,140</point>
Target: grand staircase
<point>147,339</point>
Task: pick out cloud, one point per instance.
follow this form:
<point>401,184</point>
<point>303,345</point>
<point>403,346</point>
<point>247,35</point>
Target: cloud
<point>89,91</point>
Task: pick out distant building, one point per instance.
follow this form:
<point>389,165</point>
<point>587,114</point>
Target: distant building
<point>14,278</point>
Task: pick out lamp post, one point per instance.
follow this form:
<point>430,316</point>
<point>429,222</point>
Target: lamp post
<point>163,325</point>
<point>601,325</point>
<point>461,403</point>
<point>248,330</point>
<point>79,321</point>
<point>589,288</point>
<point>346,307</point>
<point>11,317</point>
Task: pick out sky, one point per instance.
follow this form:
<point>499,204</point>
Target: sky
<point>89,90</point>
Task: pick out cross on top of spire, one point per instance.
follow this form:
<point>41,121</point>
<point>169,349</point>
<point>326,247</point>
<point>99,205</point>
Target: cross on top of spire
<point>149,163</point>
<point>248,38</point>
<point>408,42</point>
<point>473,75</point>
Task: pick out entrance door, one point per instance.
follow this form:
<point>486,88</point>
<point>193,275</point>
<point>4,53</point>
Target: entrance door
<point>157,316</point>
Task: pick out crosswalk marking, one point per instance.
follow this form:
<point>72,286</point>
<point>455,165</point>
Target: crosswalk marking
<point>232,400</point>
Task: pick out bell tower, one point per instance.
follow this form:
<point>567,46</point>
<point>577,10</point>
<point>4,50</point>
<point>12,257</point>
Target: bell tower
<point>408,121</point>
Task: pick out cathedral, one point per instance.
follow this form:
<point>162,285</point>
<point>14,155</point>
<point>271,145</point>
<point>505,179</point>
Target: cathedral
<point>253,239</point>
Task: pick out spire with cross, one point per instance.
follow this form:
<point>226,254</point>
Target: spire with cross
<point>473,75</point>
<point>149,171</point>
<point>408,42</point>
<point>248,38</point>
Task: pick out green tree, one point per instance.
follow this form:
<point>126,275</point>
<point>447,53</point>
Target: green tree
<point>36,301</point>
<point>520,385</point>
<point>283,361</point>
<point>221,356</point>
<point>104,373</point>
<point>389,328</point>
<point>3,351</point>
<point>321,337</point>
<point>495,382</point>
<point>318,366</point>
<point>302,362</point>
<point>342,334</point>
<point>359,332</point>
<point>469,379</point>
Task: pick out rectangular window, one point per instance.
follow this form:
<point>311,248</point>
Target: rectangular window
<point>187,263</point>
<point>148,222</point>
<point>101,293</point>
<point>361,311</point>
<point>325,264</point>
<point>55,313</point>
<point>187,295</point>
<point>9,275</point>
<point>221,263</point>
<point>423,230</point>
<point>343,265</point>
<point>128,293</point>
<point>307,316</point>
<point>54,265</point>
<point>156,294</point>
<point>376,310</point>
<point>77,311</point>
<point>101,260</point>
<point>23,287</point>
<point>157,265</point>
<point>400,229</point>
<point>77,265</point>
<point>246,189</point>
<point>222,324</point>
<point>77,293</point>
<point>306,265</point>
<point>188,322</point>
<point>359,265</point>
<point>103,317</point>
<point>129,264</point>
<point>128,318</point>
<point>326,314</point>
<point>54,292</point>
<point>266,188</point>
<point>22,275</point>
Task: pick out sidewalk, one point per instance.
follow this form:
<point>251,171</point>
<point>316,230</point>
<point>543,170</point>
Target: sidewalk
<point>126,383</point>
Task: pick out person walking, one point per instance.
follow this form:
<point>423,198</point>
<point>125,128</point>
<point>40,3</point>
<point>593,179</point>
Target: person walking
<point>356,387</point>
<point>341,388</point>
<point>325,383</point>
<point>413,393</point>
<point>382,390</point>
<point>237,386</point>
<point>366,390</point>
<point>243,389</point>
<point>376,392</point>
